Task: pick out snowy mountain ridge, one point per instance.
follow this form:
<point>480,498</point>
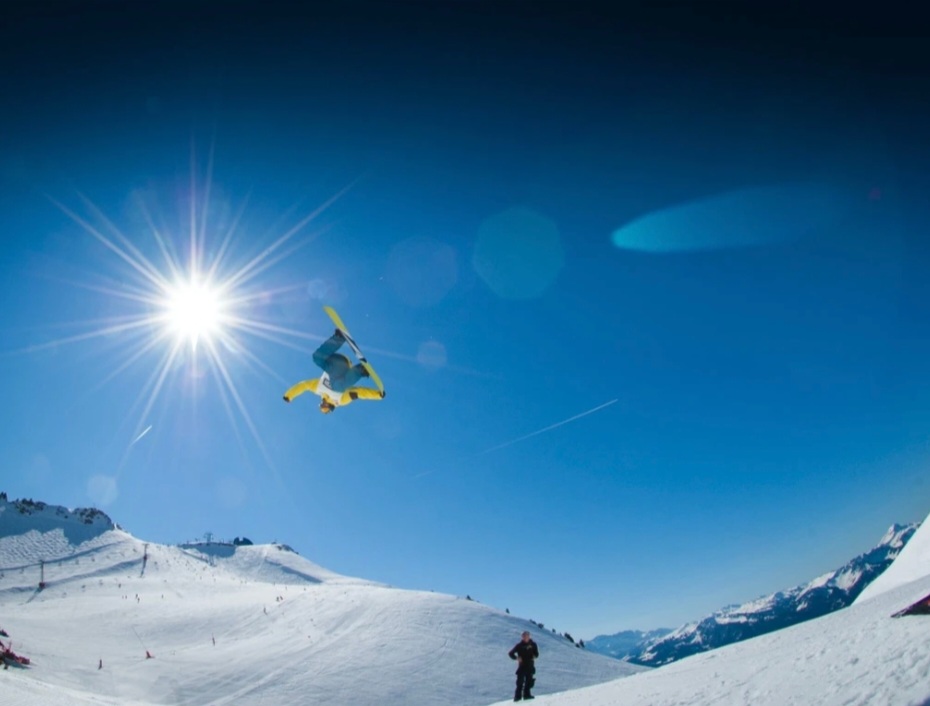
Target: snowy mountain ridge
<point>625,642</point>
<point>42,515</point>
<point>824,594</point>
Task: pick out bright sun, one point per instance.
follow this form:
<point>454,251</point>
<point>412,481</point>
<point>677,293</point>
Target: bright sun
<point>190,299</point>
<point>194,310</point>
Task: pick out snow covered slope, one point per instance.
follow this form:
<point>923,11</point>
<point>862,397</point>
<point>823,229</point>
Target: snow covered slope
<point>856,656</point>
<point>912,563</point>
<point>247,625</point>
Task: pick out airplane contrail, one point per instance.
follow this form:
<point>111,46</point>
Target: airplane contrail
<point>144,432</point>
<point>549,428</point>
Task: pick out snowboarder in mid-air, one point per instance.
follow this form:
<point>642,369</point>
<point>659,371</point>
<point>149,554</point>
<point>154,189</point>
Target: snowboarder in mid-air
<point>525,652</point>
<point>337,385</point>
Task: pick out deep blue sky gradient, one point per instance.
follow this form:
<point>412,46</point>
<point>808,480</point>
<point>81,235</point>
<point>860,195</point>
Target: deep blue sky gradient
<point>740,203</point>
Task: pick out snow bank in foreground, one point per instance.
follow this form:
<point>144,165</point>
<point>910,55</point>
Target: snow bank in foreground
<point>912,563</point>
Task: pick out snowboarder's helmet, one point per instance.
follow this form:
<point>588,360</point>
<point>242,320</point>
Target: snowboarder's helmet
<point>326,407</point>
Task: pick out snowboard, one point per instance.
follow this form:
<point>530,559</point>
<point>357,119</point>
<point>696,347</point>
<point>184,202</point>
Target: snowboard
<point>375,378</point>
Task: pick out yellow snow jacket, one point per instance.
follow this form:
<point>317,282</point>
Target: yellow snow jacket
<point>320,386</point>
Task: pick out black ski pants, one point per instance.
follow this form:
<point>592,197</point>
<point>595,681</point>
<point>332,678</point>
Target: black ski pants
<point>525,680</point>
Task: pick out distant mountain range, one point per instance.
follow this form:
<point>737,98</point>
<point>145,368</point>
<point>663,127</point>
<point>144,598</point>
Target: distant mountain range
<point>823,595</point>
<point>625,643</point>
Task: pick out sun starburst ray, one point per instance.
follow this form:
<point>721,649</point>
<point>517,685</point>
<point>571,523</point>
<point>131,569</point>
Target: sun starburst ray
<point>155,382</point>
<point>265,293</point>
<point>227,406</point>
<point>88,335</point>
<point>249,356</point>
<point>258,327</point>
<point>221,367</point>
<point>267,262</point>
<point>281,341</point>
<point>83,323</point>
<point>208,184</point>
<point>144,347</point>
<point>151,275</point>
<point>194,245</point>
<point>227,389</point>
<point>243,275</point>
<point>143,264</point>
<point>128,292</point>
<point>157,378</point>
<point>227,239</point>
<point>173,266</point>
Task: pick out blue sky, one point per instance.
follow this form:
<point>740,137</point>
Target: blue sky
<point>711,228</point>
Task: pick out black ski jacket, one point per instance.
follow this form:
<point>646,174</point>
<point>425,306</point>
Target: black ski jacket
<point>525,651</point>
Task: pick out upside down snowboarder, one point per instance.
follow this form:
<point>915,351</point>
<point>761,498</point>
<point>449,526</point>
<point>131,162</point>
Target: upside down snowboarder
<point>337,385</point>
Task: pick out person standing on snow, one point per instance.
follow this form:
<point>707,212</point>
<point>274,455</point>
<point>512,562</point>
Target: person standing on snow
<point>525,652</point>
<point>335,385</point>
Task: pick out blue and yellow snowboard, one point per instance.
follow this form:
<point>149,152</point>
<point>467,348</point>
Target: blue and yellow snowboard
<point>375,378</point>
